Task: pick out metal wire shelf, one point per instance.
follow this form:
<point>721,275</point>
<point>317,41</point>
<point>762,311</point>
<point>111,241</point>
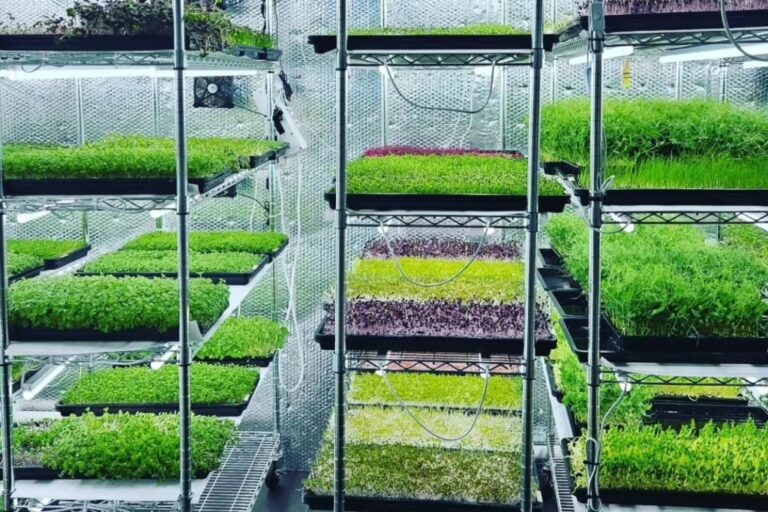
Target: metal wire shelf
<point>435,362</point>
<point>684,215</point>
<point>438,59</point>
<point>502,220</point>
<point>29,505</point>
<point>197,62</point>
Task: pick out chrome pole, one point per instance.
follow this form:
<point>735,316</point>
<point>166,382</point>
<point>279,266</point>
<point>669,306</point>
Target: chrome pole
<point>339,364</point>
<point>597,45</point>
<point>531,234</point>
<point>182,213</point>
<point>6,397</point>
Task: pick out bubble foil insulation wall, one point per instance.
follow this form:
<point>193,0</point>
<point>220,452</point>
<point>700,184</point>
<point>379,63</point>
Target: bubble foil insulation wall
<point>77,111</point>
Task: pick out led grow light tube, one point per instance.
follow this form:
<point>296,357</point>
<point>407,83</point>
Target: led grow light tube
<point>610,53</point>
<point>753,64</point>
<point>45,380</point>
<point>159,363</point>
<point>24,218</point>
<point>21,73</point>
<point>712,52</point>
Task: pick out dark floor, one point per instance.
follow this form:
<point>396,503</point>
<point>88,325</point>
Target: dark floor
<point>285,498</point>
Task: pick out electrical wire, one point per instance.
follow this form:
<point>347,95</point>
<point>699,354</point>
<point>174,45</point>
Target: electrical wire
<point>731,38</point>
<point>424,427</point>
<point>444,109</point>
<point>290,277</point>
<point>396,260</point>
<point>265,116</point>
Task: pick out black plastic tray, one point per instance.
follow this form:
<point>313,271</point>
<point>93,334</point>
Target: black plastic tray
<point>16,385</point>
<point>556,392</point>
<point>262,362</point>
<point>678,197</point>
<point>231,410</point>
<point>550,258</point>
<point>45,473</point>
<point>420,43</point>
<point>27,274</point>
<point>104,43</point>
<point>676,412</point>
<point>446,203</point>
<point>231,279</point>
<point>555,279</point>
<point>65,260</point>
<point>36,334</point>
<point>361,504</point>
<point>619,349</point>
<point>680,21</point>
<point>106,186</point>
<point>484,346</point>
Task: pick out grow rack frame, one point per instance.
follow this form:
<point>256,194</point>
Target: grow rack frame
<point>593,43</point>
<point>344,218</point>
<point>252,462</point>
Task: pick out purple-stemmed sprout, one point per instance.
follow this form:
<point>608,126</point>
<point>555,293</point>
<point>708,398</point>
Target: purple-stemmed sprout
<point>449,248</point>
<point>452,319</point>
<point>619,7</point>
<point>415,151</point>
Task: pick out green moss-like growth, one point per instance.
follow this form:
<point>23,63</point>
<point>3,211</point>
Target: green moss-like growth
<point>416,389</point>
<point>444,175</point>
<point>411,472</point>
<point>20,263</point>
<point>131,157</point>
<point>242,337</point>
<point>123,446</point>
<point>108,304</point>
<point>492,281</point>
<point>723,459</point>
<point>46,249</point>
<point>211,241</point>
<point>668,281</point>
<point>167,261</point>
<point>211,384</point>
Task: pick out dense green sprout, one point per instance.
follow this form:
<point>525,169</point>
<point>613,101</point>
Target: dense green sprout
<point>444,175</point>
<point>167,261</point>
<point>109,304</point>
<point>122,446</point>
<point>668,281</point>
<point>46,249</point>
<point>211,241</point>
<point>242,337</point>
<point>211,384</point>
<point>20,263</point>
<point>723,459</point>
<point>492,281</point>
<point>425,389</point>
<point>489,29</point>
<point>131,157</point>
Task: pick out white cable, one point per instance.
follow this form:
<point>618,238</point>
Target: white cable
<point>426,429</point>
<point>409,279</point>
<point>729,34</point>
<point>291,315</point>
<point>444,109</point>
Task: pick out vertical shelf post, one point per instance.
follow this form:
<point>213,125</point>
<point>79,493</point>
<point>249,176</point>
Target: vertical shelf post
<point>531,235</point>
<point>596,47</point>
<point>6,396</point>
<point>339,363</point>
<point>182,213</point>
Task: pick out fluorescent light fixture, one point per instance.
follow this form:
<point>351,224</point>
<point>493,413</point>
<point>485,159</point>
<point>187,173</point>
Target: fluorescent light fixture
<point>24,218</point>
<point>159,363</point>
<point>56,73</point>
<point>611,52</point>
<point>156,214</point>
<point>45,380</point>
<point>712,52</point>
<point>753,64</point>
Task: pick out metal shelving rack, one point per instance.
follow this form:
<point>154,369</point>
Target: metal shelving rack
<point>247,466</point>
<point>594,43</point>
<point>344,361</point>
